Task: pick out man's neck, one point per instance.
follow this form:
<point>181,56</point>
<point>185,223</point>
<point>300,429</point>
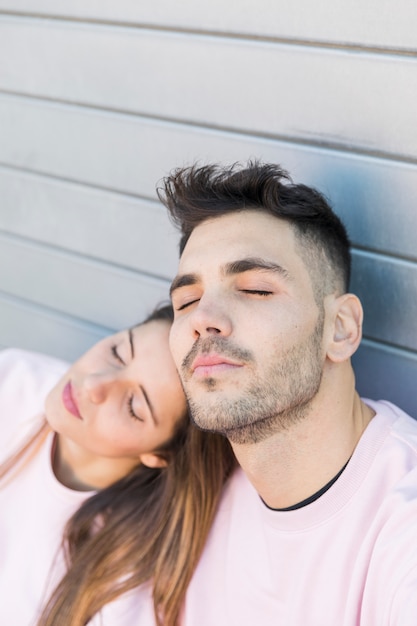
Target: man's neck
<point>292,465</point>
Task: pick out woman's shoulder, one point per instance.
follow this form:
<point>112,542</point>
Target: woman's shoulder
<point>11,356</point>
<point>24,371</point>
<point>25,380</point>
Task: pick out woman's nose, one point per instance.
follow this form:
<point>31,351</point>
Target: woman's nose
<point>99,385</point>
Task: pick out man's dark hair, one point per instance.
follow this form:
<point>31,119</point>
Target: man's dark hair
<point>197,193</point>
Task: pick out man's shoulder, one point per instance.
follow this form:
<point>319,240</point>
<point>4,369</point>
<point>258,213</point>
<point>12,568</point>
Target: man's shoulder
<point>403,427</point>
<point>388,408</point>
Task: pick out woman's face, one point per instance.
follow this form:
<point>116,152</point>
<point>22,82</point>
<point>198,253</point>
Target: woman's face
<point>123,398</point>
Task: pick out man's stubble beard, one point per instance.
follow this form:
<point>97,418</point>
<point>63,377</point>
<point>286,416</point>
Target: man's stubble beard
<point>272,403</point>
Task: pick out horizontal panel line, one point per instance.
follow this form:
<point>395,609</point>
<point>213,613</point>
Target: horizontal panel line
<point>372,253</point>
<point>49,311</point>
<point>287,139</point>
<point>221,34</point>
<point>78,256</point>
<point>77,183</point>
<point>396,349</point>
<point>24,239</point>
<point>43,177</point>
<point>356,249</point>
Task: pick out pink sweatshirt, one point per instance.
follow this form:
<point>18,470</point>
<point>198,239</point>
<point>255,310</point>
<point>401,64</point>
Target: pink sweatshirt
<point>348,558</point>
<point>34,506</point>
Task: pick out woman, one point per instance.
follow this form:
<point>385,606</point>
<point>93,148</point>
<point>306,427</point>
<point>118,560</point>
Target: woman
<point>114,454</point>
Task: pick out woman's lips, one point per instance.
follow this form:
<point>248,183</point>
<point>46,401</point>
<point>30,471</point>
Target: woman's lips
<point>69,401</point>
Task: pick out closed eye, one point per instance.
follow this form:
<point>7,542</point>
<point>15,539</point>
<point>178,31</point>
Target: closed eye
<point>117,355</point>
<point>131,411</point>
<point>186,304</point>
<point>258,292</point>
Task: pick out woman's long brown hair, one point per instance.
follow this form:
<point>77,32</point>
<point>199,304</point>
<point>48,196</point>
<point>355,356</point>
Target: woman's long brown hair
<point>149,526</point>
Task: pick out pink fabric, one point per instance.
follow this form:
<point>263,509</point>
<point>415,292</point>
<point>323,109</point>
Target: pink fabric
<point>34,506</point>
<point>348,558</point>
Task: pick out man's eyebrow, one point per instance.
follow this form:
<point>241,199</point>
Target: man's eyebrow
<point>235,267</point>
<point>183,280</point>
<point>254,263</point>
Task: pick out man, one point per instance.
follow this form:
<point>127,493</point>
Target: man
<point>324,532</point>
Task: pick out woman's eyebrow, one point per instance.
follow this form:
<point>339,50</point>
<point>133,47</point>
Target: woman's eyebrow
<point>132,345</point>
<point>149,403</point>
<point>145,395</point>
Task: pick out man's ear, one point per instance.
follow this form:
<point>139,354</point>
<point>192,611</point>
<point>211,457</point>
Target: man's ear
<point>151,459</point>
<point>347,328</point>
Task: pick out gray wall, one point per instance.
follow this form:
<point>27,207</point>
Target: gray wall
<point>99,100</point>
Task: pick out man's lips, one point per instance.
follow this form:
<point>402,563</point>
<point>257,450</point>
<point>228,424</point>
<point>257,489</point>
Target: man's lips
<point>69,400</point>
<point>210,364</point>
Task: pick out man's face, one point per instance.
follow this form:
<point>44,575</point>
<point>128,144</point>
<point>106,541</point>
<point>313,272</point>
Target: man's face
<point>247,335</point>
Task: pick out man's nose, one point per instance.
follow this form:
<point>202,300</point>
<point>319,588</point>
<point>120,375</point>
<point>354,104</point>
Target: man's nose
<point>211,316</point>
